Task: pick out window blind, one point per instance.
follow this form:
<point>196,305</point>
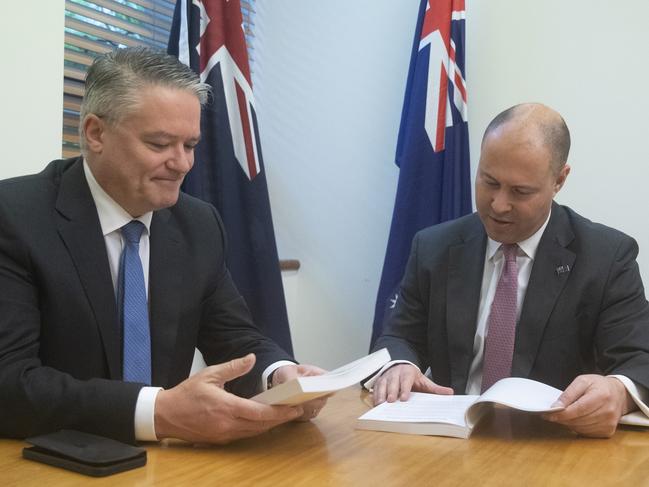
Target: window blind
<point>98,26</point>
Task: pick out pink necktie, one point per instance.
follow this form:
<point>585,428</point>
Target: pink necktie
<point>499,345</point>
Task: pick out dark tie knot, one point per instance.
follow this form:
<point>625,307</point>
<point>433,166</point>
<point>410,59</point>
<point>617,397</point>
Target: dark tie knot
<point>132,231</point>
<point>510,251</point>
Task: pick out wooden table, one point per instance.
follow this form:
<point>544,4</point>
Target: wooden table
<point>506,449</point>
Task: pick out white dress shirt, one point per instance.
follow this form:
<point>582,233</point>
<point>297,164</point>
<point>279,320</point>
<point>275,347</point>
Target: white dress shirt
<point>112,217</point>
<point>493,266</point>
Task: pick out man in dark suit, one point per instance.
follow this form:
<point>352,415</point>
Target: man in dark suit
<point>569,288</point>
<point>65,359</point>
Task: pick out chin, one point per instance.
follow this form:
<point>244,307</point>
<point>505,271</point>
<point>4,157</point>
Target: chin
<point>168,203</point>
<point>161,203</point>
<point>501,237</point>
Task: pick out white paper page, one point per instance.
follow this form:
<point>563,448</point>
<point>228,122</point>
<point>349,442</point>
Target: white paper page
<point>423,408</point>
<point>382,355</point>
<point>636,418</point>
<point>523,394</point>
<point>345,368</point>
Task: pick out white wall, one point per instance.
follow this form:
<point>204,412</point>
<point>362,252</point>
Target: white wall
<point>31,85</point>
<point>588,60</point>
<point>329,83</point>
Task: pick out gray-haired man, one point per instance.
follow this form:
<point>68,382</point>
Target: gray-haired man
<point>66,349</point>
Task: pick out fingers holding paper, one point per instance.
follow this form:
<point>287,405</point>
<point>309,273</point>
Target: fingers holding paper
<point>200,410</point>
<point>399,380</point>
<point>593,405</point>
<point>289,372</point>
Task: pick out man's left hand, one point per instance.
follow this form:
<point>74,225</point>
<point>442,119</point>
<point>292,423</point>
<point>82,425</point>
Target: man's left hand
<point>593,405</point>
<point>288,372</point>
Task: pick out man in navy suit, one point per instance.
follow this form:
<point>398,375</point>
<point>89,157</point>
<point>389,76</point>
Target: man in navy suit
<point>61,241</point>
<point>580,320</point>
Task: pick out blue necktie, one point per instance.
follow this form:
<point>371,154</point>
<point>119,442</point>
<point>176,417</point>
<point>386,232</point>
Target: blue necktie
<point>134,309</point>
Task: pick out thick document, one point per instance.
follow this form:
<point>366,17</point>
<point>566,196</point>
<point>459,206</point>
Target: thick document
<point>304,389</point>
<point>432,414</point>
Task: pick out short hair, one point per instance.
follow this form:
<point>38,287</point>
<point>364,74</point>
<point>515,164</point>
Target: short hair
<point>553,130</point>
<point>115,80</point>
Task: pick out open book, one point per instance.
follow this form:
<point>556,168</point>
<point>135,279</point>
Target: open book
<point>304,389</point>
<point>432,414</point>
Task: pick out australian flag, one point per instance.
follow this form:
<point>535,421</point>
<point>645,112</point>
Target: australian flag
<point>229,171</point>
<point>433,144</point>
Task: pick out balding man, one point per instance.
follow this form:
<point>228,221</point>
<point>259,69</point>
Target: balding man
<point>524,287</point>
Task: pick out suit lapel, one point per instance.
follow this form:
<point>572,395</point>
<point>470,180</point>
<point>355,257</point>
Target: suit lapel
<point>466,261</point>
<point>165,281</point>
<point>544,287</point>
<point>78,226</point>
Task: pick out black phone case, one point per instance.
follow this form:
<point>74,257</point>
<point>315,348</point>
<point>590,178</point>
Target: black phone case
<point>84,453</point>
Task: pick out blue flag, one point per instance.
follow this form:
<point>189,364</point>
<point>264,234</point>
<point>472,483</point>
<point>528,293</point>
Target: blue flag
<point>228,169</point>
<point>433,144</point>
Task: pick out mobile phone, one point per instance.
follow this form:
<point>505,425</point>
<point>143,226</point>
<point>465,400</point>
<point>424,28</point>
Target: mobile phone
<point>84,453</point>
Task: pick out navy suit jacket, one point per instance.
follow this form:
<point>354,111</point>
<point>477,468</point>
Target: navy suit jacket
<point>60,340</point>
<point>593,318</point>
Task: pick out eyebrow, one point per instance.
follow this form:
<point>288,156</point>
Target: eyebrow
<point>167,135</point>
<point>487,175</point>
<point>515,186</point>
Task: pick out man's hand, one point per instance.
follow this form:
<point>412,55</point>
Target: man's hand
<point>397,382</point>
<point>288,372</point>
<point>593,405</point>
<point>201,411</point>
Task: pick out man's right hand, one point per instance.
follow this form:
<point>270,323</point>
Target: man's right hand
<point>201,411</point>
<point>397,382</point>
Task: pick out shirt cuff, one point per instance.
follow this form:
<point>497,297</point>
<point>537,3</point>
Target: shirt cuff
<point>145,413</point>
<point>369,383</point>
<point>640,396</point>
<point>270,369</point>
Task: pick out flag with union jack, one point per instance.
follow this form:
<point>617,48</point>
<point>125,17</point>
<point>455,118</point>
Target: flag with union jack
<point>433,144</point>
<point>228,169</point>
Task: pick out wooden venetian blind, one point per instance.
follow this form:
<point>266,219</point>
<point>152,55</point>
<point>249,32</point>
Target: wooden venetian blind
<point>98,26</point>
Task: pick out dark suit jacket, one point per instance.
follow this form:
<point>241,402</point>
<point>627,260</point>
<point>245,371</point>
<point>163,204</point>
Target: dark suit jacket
<point>592,319</point>
<point>60,345</point>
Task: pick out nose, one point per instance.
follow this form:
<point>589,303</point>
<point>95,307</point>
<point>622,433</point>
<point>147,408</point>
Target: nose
<point>500,203</point>
<point>181,160</point>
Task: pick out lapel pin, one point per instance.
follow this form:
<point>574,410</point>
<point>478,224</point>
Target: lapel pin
<point>562,269</point>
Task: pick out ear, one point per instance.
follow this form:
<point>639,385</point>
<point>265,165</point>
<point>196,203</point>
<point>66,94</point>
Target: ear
<point>561,178</point>
<point>94,129</point>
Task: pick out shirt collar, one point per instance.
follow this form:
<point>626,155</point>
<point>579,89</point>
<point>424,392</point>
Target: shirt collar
<point>529,246</point>
<point>112,216</point>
